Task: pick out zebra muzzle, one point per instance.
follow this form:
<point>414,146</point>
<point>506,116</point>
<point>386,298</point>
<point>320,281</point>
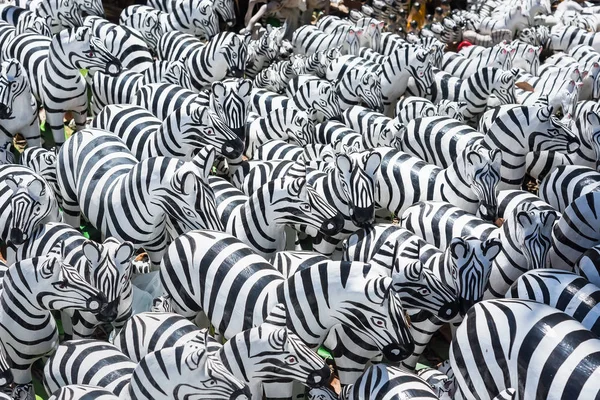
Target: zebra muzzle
<point>95,303</point>
<point>4,111</point>
<point>319,378</point>
<point>396,353</point>
<point>6,377</point>
<point>333,225</point>
<point>17,236</point>
<point>363,216</point>
<point>113,68</point>
<point>448,311</point>
<point>109,312</point>
<point>232,148</point>
<point>241,394</point>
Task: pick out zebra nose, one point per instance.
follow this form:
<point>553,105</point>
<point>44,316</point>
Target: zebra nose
<point>363,216</point>
<point>333,226</point>
<point>95,303</point>
<point>319,378</point>
<point>109,312</point>
<point>230,22</point>
<point>17,236</point>
<point>448,311</point>
<point>113,67</point>
<point>236,72</point>
<point>4,111</point>
<point>396,353</point>
<point>232,148</point>
<point>465,305</point>
<point>488,212</point>
<point>6,377</point>
<point>573,146</point>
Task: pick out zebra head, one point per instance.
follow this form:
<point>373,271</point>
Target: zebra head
<point>531,56</point>
<point>420,67</point>
<point>594,75</point>
<point>110,272</point>
<point>482,172</point>
<point>325,101</point>
<point>565,100</point>
<point>279,355</point>
<point>374,30</point>
<point>58,286</point>
<point>592,132</point>
<point>300,127</point>
<point>283,46</point>
<point>178,74</point>
<point>352,43</point>
<point>187,372</point>
<point>302,205</point>
<point>552,133</point>
<point>236,53</point>
<point>357,181</point>
<point>6,154</point>
<point>202,15</point>
<point>503,87</point>
<point>369,90</point>
<point>419,287</point>
<point>195,127</point>
<point>152,28</point>
<point>373,310</point>
<point>31,202</point>
<point>82,50</point>
<point>471,260</point>
<point>226,10</point>
<point>230,99</point>
<point>504,59</point>
<point>92,7</point>
<point>187,197</point>
<point>13,85</point>
<point>534,235</point>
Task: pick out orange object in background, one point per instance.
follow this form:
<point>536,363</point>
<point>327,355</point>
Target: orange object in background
<point>417,14</point>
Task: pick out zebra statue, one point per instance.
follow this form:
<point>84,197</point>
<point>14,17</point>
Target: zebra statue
<point>394,72</point>
<point>108,266</point>
<point>202,14</point>
<point>348,284</point>
<point>195,17</point>
<point>186,371</point>
<point>376,129</point>
<point>26,201</point>
<point>184,132</point>
<point>54,64</point>
<point>277,203</point>
<point>516,328</point>
<point>246,355</point>
<point>163,99</point>
<point>147,25</point>
<point>554,288</point>
<point>62,14</point>
<point>469,183</point>
<point>36,287</point>
<point>147,191</point>
<point>26,20</point>
<point>18,107</point>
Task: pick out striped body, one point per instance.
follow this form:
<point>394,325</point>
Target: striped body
<point>564,38</point>
<point>567,183</point>
<point>565,291</point>
<point>195,16</point>
<point>518,331</point>
<point>163,99</point>
<point>463,67</point>
<point>147,25</point>
<point>341,138</point>
<point>75,392</point>
<point>308,39</point>
<point>413,107</point>
<point>62,14</point>
<point>177,46</point>
<point>95,160</point>
<point>376,129</point>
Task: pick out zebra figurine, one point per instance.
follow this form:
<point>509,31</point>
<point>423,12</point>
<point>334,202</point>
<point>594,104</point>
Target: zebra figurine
<point>308,39</point>
<point>574,181</point>
<point>108,266</point>
<point>347,284</point>
<point>562,290</point>
<point>36,287</point>
<point>150,191</point>
<point>376,129</point>
<point>26,20</point>
<point>18,107</point>
<point>53,64</point>
<point>394,72</point>
<point>245,355</point>
<point>180,135</point>
<point>525,236</point>
<point>195,17</point>
<point>532,377</point>
<point>412,107</point>
<point>163,99</point>
<point>384,381</point>
<point>124,43</point>
<point>350,188</point>
<point>469,183</point>
<point>26,201</point>
<point>62,14</point>
<point>201,14</point>
<point>173,372</point>
<point>147,25</point>
<point>279,203</point>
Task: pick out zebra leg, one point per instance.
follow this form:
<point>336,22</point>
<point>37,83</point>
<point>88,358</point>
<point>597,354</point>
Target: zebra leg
<point>67,324</point>
<point>80,118</point>
<point>55,122</point>
<point>32,134</point>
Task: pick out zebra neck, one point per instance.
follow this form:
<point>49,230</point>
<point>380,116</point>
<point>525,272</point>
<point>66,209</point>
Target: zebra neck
<point>234,356</point>
<point>158,142</point>
<point>334,195</point>
<point>62,73</point>
<point>19,297</point>
<point>453,186</point>
<point>140,192</point>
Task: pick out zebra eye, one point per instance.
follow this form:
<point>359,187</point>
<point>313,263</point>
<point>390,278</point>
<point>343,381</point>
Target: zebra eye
<point>63,284</point>
<point>305,207</point>
<point>424,292</point>
<point>209,383</point>
<point>378,322</point>
<point>209,132</point>
<point>291,360</point>
<point>89,54</point>
<point>188,213</point>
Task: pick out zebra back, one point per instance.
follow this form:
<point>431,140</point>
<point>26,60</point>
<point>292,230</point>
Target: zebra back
<point>74,392</point>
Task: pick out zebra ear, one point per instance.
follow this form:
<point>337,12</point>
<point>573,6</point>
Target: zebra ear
<point>343,163</point>
<point>491,248</point>
<point>549,218</point>
<point>372,164</point>
<point>277,316</point>
<point>12,183</point>
<point>124,253</point>
<point>196,358</point>
<point>459,248</point>
<point>245,87</point>
<point>91,251</point>
<point>593,119</point>
<point>36,189</point>
<point>218,89</point>
<point>82,34</point>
